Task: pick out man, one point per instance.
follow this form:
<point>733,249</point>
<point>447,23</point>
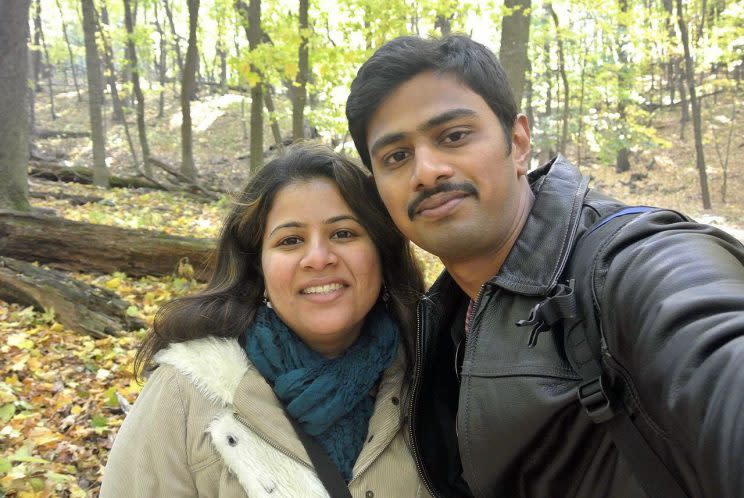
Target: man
<point>494,408</point>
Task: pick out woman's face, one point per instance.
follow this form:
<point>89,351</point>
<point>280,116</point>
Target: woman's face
<point>322,271</point>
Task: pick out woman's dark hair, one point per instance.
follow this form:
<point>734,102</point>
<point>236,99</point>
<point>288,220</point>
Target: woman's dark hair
<point>228,304</point>
<point>401,59</point>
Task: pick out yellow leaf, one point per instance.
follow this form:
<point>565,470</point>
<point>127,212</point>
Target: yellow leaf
<point>34,364</point>
<point>20,341</point>
<point>114,283</point>
<point>57,327</point>
<point>75,410</point>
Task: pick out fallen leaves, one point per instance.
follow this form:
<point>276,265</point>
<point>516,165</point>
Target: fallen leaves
<point>64,395</point>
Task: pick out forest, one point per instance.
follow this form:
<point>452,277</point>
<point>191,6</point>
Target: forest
<point>127,126</point>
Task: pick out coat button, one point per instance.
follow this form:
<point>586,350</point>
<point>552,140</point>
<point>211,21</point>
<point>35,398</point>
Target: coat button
<point>369,494</point>
<point>395,400</point>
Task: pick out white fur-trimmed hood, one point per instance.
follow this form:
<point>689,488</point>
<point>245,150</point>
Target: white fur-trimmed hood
<point>214,365</point>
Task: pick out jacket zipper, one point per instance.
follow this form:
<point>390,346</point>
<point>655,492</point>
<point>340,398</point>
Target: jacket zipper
<point>281,450</point>
<point>417,381</point>
<point>414,393</point>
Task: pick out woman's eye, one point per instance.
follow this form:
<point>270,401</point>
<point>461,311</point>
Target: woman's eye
<point>343,234</point>
<point>290,241</point>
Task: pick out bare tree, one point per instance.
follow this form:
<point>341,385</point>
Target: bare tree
<point>564,78</point>
<point>303,75</point>
<point>515,33</point>
<point>251,19</point>
<point>47,66</point>
<point>108,58</point>
<point>134,71</point>
<point>69,51</point>
<point>695,103</point>
<point>95,95</point>
<point>14,64</point>
<point>188,83</point>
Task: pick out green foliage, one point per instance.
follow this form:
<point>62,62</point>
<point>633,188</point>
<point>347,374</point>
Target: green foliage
<point>615,58</point>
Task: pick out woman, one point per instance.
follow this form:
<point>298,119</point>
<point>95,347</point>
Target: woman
<point>308,316</point>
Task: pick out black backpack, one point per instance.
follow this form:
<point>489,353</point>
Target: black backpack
<point>571,306</point>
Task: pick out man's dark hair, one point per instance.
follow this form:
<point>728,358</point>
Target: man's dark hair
<point>405,57</point>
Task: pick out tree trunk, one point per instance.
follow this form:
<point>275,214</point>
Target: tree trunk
<point>14,124</point>
<point>74,246</point>
<point>254,40</point>
<point>188,168</point>
<point>303,75</point>
<point>515,34</point>
<point>69,52</point>
<point>47,68</point>
<point>580,141</point>
<point>108,60</point>
<point>78,306</point>
<point>564,78</point>
<point>176,38</point>
<point>95,95</point>
<point>134,70</point>
<point>161,64</point>
<point>624,81</point>
<point>275,131</point>
<point>696,120</point>
<point>36,52</point>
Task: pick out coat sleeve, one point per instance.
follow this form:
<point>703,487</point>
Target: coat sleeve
<point>149,456</point>
<point>673,318</point>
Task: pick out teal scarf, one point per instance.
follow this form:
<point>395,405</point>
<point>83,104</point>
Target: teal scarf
<point>329,397</point>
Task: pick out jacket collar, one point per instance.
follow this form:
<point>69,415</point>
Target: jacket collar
<point>541,251</point>
<point>221,371</point>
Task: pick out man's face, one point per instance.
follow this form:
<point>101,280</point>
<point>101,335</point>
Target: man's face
<point>441,164</point>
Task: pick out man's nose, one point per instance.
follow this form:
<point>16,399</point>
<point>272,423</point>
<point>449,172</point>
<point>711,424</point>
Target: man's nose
<point>430,168</point>
<point>318,255</point>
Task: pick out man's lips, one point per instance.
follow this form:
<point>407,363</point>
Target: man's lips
<point>438,200</point>
<point>438,196</point>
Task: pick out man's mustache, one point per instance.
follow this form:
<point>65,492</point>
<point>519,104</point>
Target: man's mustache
<point>466,188</point>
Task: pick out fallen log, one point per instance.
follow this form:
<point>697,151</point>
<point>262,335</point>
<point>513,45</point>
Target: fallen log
<point>189,183</point>
<point>78,306</point>
<point>81,174</point>
<point>42,133</point>
<point>75,246</point>
<point>75,200</point>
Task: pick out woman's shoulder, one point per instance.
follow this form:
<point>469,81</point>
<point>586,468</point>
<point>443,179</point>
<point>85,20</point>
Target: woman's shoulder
<point>213,366</point>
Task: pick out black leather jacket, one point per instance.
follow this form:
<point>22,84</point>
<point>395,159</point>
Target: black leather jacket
<point>508,421</point>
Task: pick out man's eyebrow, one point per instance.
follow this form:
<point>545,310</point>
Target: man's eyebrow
<point>428,125</point>
<point>383,141</point>
<point>445,117</point>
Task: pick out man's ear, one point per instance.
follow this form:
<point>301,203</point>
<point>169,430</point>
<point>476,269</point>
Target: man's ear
<point>521,143</point>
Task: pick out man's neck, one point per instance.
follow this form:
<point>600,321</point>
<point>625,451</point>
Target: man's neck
<point>470,274</point>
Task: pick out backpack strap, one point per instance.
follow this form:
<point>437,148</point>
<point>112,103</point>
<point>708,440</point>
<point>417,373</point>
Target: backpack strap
<point>582,336</point>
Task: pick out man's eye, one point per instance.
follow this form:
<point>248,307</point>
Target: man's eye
<point>396,157</point>
<point>455,136</point>
<point>290,241</point>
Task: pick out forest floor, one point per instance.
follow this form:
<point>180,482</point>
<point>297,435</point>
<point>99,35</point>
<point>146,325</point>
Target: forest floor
<point>61,393</point>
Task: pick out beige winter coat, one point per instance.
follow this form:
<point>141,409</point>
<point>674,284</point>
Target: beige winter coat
<point>208,424</point>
